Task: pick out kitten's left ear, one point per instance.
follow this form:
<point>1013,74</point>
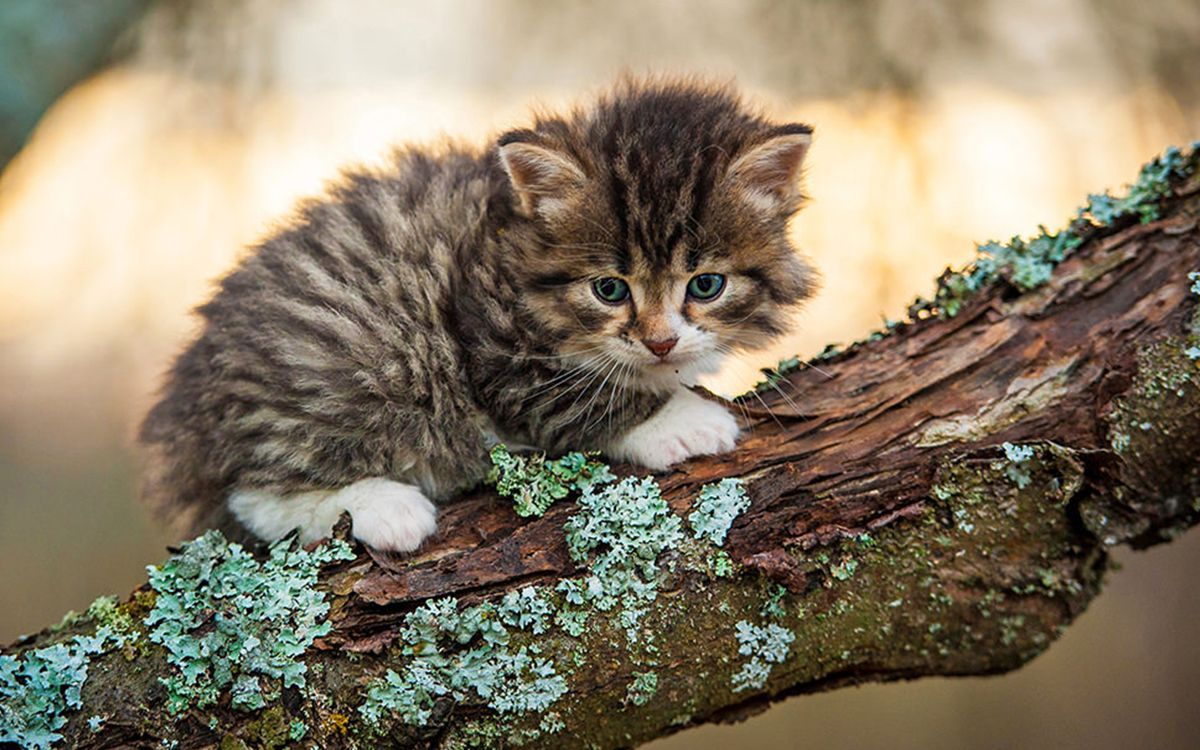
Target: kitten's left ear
<point>769,172</point>
<point>541,176</point>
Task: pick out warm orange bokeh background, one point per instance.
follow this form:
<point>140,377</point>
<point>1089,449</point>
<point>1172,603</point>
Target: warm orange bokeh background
<point>938,124</point>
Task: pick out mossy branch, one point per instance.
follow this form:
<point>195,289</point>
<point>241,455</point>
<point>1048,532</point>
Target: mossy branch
<point>936,500</point>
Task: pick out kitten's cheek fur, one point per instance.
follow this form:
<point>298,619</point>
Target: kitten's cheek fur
<point>685,426</point>
<point>388,516</point>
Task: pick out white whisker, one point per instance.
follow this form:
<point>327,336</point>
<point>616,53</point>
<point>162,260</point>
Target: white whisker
<point>597,392</point>
<point>564,379</point>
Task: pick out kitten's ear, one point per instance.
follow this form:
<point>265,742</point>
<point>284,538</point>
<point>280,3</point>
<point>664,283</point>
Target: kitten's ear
<point>541,177</point>
<point>769,173</point>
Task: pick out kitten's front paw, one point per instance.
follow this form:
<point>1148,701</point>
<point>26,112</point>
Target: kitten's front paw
<point>685,426</point>
<point>388,516</point>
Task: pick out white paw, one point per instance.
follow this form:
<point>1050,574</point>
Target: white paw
<point>685,426</point>
<point>388,516</point>
<point>270,516</point>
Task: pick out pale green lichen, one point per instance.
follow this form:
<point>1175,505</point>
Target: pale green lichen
<point>844,570</point>
<point>104,611</point>
<point>551,723</point>
<point>620,532</point>
<point>297,730</point>
<point>620,535</point>
<point>1144,197</point>
<point>534,482</point>
<point>773,606</point>
<point>766,647</point>
<point>773,375</point>
<point>246,694</point>
<point>788,365</point>
<point>962,515</point>
<point>716,508</point>
<point>642,688</point>
<point>527,609</point>
<point>1163,395</point>
<point>721,564</point>
<point>465,654</point>
<point>408,695</point>
<point>1193,351</point>
<point>1027,263</point>
<point>39,687</point>
<point>478,733</point>
<point>1121,441</point>
<point>468,655</point>
<point>107,611</point>
<point>230,621</point>
<point>1017,469</point>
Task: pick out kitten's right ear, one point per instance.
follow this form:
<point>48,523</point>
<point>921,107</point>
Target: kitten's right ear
<point>541,177</point>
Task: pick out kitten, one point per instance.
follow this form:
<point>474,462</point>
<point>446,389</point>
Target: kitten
<point>558,290</point>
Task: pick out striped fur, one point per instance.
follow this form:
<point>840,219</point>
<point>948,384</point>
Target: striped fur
<point>403,324</point>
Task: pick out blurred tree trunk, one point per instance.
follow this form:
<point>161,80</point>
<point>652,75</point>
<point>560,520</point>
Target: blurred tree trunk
<point>46,46</point>
<point>936,501</point>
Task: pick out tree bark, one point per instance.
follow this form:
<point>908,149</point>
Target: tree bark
<point>891,532</point>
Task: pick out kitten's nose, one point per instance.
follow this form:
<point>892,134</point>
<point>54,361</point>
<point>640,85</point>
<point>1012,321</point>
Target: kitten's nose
<point>662,347</point>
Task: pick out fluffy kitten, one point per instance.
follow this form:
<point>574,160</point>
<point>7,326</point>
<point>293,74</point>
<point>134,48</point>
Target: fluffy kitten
<point>556,290</point>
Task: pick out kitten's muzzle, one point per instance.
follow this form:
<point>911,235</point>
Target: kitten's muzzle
<point>662,347</point>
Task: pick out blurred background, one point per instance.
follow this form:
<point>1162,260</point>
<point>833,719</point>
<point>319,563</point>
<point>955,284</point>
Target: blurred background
<point>144,145</point>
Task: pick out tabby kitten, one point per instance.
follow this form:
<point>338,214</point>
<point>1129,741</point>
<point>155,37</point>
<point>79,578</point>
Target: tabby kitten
<point>556,290</point>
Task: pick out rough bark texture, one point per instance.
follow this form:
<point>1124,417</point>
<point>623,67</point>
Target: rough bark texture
<point>889,532</point>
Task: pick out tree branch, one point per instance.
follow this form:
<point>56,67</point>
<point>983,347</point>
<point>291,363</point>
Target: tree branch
<point>938,500</point>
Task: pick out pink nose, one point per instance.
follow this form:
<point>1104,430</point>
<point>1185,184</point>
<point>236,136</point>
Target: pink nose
<point>661,348</point>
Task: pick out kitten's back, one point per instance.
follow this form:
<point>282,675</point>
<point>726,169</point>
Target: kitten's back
<point>312,346</point>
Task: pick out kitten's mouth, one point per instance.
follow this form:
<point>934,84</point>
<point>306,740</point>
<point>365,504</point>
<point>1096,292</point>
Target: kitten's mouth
<point>666,365</point>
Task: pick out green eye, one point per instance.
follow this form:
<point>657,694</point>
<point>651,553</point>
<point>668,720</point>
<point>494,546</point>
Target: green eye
<point>706,286</point>
<point>610,290</point>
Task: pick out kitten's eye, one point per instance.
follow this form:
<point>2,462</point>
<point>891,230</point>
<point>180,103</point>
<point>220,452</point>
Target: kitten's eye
<point>610,290</point>
<point>706,286</point>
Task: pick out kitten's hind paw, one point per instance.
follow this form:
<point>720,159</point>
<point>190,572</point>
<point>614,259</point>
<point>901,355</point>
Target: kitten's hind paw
<point>685,426</point>
<point>388,516</point>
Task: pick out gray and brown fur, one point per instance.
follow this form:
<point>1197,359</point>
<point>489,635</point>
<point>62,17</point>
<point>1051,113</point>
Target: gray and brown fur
<point>402,324</point>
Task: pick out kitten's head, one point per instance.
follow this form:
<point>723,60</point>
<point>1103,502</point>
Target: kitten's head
<point>654,229</point>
